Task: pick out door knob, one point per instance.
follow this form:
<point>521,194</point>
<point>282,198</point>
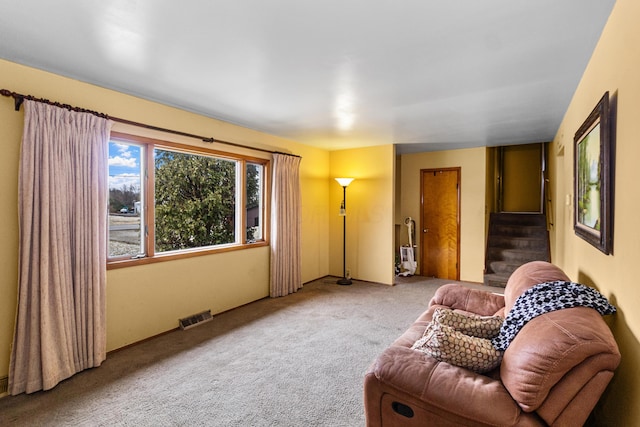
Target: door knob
<point>426,230</point>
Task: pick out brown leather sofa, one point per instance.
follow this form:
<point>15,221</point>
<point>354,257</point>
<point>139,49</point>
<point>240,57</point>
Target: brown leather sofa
<point>552,373</point>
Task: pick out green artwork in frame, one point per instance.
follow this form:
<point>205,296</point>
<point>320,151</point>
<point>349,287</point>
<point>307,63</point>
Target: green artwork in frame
<point>593,178</point>
<point>588,176</point>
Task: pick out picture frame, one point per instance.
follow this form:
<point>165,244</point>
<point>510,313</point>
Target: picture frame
<point>592,177</point>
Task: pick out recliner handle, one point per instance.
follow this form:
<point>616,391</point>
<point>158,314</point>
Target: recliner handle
<point>402,409</point>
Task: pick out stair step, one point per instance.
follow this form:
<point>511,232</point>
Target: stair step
<point>503,267</point>
<point>516,255</point>
<point>497,280</point>
<point>514,239</point>
<point>510,242</point>
<point>517,230</point>
<point>519,219</point>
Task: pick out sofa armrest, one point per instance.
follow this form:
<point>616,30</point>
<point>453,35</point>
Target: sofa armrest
<point>453,393</point>
<point>553,358</point>
<point>460,297</point>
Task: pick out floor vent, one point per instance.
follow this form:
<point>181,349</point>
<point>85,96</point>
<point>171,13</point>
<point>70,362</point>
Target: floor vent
<point>4,385</point>
<point>196,319</point>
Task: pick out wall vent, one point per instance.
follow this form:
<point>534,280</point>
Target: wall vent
<point>196,319</point>
<point>4,385</point>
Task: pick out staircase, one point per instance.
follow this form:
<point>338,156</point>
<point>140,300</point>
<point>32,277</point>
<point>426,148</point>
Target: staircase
<point>514,239</point>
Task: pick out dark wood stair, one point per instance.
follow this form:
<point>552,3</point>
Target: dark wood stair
<point>514,239</point>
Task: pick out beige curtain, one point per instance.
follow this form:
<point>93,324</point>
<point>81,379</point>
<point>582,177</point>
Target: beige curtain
<point>286,271</point>
<point>63,191</point>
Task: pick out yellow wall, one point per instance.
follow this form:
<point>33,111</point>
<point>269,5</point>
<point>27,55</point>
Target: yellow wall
<point>473,165</point>
<point>147,300</point>
<point>613,67</point>
<point>370,213</point>
<point>521,180</point>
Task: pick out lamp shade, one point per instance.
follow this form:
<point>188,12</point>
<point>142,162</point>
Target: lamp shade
<point>344,181</point>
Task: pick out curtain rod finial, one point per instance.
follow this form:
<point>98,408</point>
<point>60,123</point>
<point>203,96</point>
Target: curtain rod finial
<point>19,99</point>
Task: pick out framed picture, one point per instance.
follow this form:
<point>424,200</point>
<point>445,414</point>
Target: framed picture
<point>592,177</point>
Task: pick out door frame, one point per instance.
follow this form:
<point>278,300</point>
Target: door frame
<point>458,171</point>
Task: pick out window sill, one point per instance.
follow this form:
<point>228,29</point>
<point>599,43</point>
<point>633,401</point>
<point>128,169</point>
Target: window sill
<point>132,262</point>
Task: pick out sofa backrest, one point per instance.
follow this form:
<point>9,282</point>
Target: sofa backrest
<point>527,276</point>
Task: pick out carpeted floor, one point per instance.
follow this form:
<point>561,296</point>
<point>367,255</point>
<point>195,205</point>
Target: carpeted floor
<point>292,361</point>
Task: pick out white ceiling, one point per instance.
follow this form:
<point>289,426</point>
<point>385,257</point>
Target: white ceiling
<point>424,74</point>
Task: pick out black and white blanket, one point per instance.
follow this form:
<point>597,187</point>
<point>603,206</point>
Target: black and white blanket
<point>544,298</point>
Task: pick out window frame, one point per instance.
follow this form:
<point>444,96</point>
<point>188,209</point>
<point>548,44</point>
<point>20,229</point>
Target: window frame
<point>148,191</point>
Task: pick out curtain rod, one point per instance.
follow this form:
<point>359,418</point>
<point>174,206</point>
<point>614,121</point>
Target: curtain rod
<point>19,99</point>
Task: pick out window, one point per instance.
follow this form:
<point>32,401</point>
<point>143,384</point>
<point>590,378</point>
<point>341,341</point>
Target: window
<point>170,200</point>
<point>254,181</point>
<point>126,230</point>
<point>195,200</point>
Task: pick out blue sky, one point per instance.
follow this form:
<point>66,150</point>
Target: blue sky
<point>124,165</point>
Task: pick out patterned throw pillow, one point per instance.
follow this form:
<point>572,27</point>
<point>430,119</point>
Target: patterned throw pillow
<point>445,344</point>
<point>469,324</point>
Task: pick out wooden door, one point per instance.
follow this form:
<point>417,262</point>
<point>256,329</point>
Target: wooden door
<point>440,214</point>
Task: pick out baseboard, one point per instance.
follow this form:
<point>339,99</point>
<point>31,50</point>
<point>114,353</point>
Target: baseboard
<point>4,387</point>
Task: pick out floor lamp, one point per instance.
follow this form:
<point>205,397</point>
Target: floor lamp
<point>344,182</point>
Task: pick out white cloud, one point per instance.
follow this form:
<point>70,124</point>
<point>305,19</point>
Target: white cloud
<point>123,149</point>
<point>126,161</point>
<point>124,179</point>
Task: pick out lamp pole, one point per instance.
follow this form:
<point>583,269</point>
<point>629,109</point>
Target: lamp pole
<point>344,182</point>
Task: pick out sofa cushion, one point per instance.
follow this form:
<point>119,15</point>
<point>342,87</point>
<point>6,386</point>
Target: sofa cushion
<point>469,323</point>
<point>420,381</point>
<point>445,344</point>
